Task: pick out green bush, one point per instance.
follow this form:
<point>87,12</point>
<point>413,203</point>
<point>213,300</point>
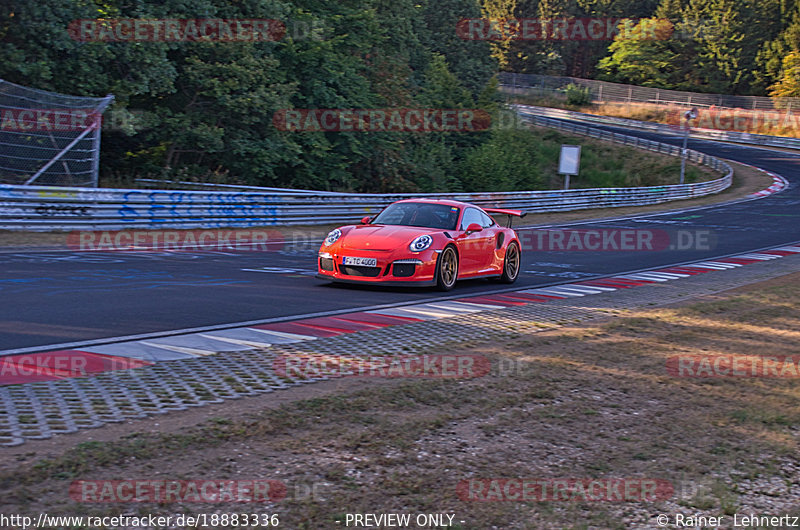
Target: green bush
<point>508,161</point>
<point>578,95</point>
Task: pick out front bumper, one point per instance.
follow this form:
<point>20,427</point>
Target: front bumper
<point>387,283</point>
<point>392,268</point>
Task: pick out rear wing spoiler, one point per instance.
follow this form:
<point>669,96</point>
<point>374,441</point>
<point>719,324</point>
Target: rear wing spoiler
<point>515,213</point>
<point>510,213</point>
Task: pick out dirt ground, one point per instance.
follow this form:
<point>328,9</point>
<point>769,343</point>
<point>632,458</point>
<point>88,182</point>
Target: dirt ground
<point>746,181</point>
<point>589,401</point>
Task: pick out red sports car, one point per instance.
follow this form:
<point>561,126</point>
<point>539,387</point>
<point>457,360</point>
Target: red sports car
<point>422,242</point>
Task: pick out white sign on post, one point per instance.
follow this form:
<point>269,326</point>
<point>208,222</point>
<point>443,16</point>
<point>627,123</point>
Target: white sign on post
<point>570,162</point>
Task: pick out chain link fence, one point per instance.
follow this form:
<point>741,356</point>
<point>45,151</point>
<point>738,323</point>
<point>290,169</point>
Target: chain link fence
<point>48,138</point>
<point>604,92</point>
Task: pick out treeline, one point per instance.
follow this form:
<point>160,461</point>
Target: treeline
<point>204,110</point>
<point>746,47</point>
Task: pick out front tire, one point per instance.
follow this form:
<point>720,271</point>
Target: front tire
<point>447,269</point>
<point>511,264</point>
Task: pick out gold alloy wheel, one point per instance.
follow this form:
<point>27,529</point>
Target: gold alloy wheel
<point>511,264</point>
<point>448,269</point>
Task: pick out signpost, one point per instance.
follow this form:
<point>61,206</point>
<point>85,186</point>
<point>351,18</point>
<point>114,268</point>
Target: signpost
<point>689,115</point>
<point>570,162</point>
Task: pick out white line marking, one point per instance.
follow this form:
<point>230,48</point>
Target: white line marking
<point>760,257</point>
<point>568,294</point>
<point>667,275</point>
<point>726,265</point>
<point>179,349</point>
<point>581,289</point>
<point>644,277</point>
<point>240,342</point>
<point>403,312</point>
<point>423,310</point>
<point>290,336</point>
<point>534,291</point>
<point>598,288</point>
<point>457,306</point>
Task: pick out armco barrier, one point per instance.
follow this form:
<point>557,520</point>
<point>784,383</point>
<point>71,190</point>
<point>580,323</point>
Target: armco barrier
<point>694,132</point>
<point>55,208</point>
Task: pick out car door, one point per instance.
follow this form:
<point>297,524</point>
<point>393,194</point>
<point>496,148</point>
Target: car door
<point>493,235</point>
<point>474,248</point>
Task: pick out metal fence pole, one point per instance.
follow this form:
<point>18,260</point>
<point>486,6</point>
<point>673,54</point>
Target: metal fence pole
<point>96,140</point>
<point>96,156</point>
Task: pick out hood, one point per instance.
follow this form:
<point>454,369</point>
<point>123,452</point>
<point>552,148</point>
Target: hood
<point>382,237</point>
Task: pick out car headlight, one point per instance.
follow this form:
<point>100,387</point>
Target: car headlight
<point>332,237</point>
<point>420,243</point>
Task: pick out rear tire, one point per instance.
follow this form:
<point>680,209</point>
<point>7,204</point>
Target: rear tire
<point>511,264</point>
<point>447,269</point>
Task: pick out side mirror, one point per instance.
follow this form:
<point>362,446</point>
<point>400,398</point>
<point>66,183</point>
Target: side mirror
<point>366,220</point>
<point>474,227</point>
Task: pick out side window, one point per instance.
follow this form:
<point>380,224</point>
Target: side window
<point>486,221</point>
<point>471,215</point>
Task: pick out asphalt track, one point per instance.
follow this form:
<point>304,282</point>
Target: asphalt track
<point>62,297</point>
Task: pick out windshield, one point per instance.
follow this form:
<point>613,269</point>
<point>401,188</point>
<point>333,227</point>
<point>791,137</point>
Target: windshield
<point>419,214</point>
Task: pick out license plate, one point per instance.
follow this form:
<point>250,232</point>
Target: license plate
<point>360,262</point>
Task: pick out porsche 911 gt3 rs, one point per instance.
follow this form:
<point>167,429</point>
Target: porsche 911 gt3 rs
<point>422,242</point>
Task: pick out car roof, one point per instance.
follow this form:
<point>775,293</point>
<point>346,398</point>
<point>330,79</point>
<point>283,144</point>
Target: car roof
<point>445,202</point>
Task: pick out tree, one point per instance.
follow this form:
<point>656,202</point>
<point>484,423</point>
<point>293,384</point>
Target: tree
<point>655,63</point>
<point>713,47</point>
<point>777,60</point>
<point>469,60</point>
<point>497,12</point>
<point>789,83</point>
<point>37,50</point>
